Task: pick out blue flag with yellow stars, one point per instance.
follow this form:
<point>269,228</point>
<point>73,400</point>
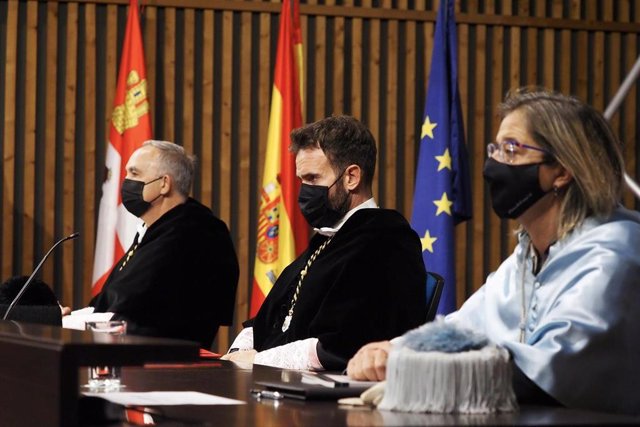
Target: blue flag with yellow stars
<point>442,195</point>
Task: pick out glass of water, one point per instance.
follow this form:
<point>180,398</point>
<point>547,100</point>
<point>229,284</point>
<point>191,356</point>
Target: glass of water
<point>106,378</point>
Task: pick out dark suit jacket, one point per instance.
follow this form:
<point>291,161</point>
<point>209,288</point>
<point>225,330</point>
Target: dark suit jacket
<point>180,281</point>
<point>368,284</point>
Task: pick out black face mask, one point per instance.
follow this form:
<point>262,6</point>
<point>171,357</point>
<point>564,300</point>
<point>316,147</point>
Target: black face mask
<point>131,193</point>
<point>513,188</point>
<point>316,207</point>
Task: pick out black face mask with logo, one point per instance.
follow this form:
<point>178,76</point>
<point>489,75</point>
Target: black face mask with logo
<point>132,199</point>
<point>316,207</point>
<point>513,188</point>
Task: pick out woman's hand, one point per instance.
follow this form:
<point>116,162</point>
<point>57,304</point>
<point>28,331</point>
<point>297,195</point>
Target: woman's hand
<point>370,362</point>
<point>242,356</point>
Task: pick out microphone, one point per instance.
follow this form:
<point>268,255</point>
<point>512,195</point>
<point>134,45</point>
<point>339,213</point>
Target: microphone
<point>30,279</point>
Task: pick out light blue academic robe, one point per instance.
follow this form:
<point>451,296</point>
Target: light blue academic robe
<point>582,327</point>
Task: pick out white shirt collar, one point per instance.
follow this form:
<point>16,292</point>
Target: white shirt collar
<point>330,231</point>
<point>141,228</point>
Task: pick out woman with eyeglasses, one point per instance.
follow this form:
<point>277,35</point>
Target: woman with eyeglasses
<point>566,303</point>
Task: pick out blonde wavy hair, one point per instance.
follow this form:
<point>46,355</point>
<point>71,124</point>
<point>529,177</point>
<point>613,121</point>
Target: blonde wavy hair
<point>582,141</point>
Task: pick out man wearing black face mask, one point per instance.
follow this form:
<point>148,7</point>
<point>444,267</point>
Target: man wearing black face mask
<point>179,278</point>
<point>362,275</point>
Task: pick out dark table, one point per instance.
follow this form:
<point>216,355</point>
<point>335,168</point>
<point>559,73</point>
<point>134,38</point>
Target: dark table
<point>39,368</point>
<point>225,379</point>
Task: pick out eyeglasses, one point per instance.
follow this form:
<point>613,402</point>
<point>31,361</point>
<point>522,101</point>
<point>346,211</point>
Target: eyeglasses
<point>509,150</point>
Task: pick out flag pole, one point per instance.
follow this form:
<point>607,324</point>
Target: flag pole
<point>613,107</point>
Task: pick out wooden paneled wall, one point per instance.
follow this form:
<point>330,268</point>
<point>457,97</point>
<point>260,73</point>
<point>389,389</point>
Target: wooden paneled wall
<point>210,66</point>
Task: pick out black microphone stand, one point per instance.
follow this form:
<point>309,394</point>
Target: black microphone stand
<point>30,279</point>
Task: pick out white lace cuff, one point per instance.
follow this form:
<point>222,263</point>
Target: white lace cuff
<point>295,355</point>
<point>244,340</point>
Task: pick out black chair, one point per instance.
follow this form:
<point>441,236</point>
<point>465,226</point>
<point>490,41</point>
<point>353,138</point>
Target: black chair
<point>435,283</point>
<point>42,314</point>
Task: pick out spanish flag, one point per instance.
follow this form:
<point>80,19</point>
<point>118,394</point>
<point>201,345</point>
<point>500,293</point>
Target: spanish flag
<point>282,230</point>
<point>130,127</point>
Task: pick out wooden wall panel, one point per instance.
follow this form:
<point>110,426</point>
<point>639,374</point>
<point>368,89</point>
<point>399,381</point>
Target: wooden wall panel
<point>317,75</point>
<point>388,112</point>
<point>244,163</point>
<point>187,102</point>
<point>371,108</point>
<point>9,137</point>
<point>210,70</point>
<point>338,68</point>
<point>49,166</point>
<point>25,231</point>
<point>463,231</point>
<point>224,133</point>
<point>548,40</point>
<point>410,100</point>
<point>206,86</point>
<point>66,169</point>
<point>355,82</point>
<point>149,38</point>
<point>168,100</point>
<point>86,147</point>
<point>495,66</point>
<point>629,131</point>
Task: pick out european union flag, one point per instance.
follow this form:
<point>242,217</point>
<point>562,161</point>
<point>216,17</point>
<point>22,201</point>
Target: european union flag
<point>442,195</point>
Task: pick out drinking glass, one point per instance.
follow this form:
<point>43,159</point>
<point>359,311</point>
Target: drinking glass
<point>106,378</point>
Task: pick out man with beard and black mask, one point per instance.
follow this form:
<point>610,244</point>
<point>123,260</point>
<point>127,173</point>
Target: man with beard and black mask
<point>178,279</point>
<point>362,275</point>
<point>565,304</point>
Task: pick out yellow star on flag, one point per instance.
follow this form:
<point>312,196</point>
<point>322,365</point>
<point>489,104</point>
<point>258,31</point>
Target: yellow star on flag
<point>427,242</point>
<point>427,128</point>
<point>444,161</point>
<point>444,205</point>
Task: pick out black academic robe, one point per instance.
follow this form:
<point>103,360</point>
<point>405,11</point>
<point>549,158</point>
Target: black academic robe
<point>180,281</point>
<point>368,284</point>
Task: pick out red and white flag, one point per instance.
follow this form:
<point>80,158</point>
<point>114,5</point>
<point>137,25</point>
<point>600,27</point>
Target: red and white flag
<point>282,230</point>
<point>130,127</point>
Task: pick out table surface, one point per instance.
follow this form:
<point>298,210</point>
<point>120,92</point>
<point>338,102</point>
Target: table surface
<point>84,349</point>
<point>223,378</point>
<point>39,367</point>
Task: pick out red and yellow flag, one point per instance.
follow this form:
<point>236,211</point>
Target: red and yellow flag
<point>282,230</point>
<point>130,127</point>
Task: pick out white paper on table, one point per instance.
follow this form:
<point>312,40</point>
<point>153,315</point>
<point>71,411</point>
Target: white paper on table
<point>157,398</point>
<point>78,318</point>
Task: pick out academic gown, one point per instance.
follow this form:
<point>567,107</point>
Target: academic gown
<point>581,314</point>
<point>368,284</point>
<point>180,281</point>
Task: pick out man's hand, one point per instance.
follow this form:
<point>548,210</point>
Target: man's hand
<point>370,362</point>
<point>242,356</point>
<point>65,310</point>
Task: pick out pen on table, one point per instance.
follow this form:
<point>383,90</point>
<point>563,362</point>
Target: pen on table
<point>267,394</point>
<point>323,379</point>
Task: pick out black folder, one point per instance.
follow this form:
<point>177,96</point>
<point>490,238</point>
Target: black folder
<point>304,391</point>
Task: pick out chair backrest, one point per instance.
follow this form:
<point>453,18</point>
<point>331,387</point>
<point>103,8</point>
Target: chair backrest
<point>435,283</point>
<point>42,314</point>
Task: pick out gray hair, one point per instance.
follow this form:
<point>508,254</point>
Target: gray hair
<point>175,162</point>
